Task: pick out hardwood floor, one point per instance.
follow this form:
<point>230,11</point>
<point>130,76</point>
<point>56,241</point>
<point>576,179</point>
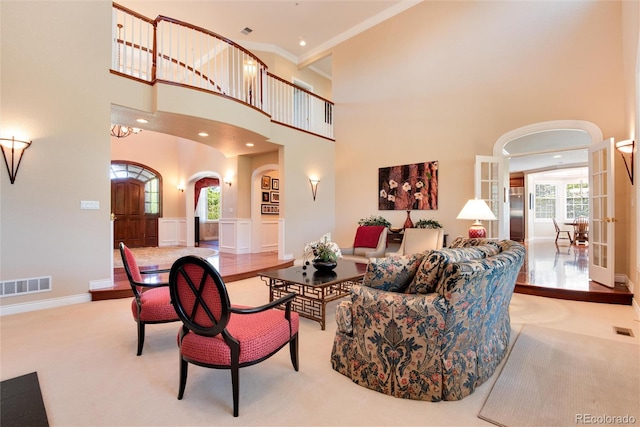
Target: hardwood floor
<point>550,270</point>
<point>562,271</point>
<point>231,267</point>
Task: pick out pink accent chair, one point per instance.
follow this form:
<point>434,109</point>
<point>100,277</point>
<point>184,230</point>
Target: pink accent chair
<point>216,334</point>
<point>151,302</point>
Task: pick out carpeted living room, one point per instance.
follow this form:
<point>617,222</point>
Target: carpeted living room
<point>573,364</point>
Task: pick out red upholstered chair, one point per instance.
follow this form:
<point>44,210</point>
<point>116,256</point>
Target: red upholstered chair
<point>216,334</point>
<point>151,302</point>
<point>370,242</point>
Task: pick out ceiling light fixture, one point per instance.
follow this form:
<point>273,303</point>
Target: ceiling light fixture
<point>203,134</point>
<point>120,131</point>
<point>142,120</point>
<point>249,144</point>
<point>301,41</point>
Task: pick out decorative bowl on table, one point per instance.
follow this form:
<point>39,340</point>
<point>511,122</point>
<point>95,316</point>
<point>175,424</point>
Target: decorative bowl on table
<point>324,266</point>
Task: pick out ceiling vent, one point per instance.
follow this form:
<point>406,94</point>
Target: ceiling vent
<point>246,31</point>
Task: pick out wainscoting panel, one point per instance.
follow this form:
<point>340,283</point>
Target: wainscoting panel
<point>269,236</point>
<point>235,236</point>
<point>172,232</point>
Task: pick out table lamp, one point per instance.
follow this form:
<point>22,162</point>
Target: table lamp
<point>476,210</point>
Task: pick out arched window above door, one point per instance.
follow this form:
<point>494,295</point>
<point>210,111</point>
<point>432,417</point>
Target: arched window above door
<point>151,179</point>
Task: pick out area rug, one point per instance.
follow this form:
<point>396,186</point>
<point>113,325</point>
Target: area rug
<point>162,256</point>
<point>21,402</point>
<point>556,378</point>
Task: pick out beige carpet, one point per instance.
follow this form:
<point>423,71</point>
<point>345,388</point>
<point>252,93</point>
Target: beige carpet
<point>164,256</point>
<point>556,378</point>
<point>85,356</point>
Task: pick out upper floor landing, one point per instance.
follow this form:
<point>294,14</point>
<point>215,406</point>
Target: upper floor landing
<point>230,89</point>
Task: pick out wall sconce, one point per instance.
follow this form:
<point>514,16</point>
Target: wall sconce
<point>13,146</point>
<point>627,147</point>
<point>181,187</point>
<point>476,210</point>
<point>314,187</point>
<point>227,180</point>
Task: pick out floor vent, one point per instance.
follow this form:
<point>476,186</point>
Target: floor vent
<point>9,288</point>
<point>623,331</point>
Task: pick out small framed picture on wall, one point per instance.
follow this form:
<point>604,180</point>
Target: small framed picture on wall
<point>275,184</point>
<point>270,209</point>
<point>275,197</point>
<point>265,197</point>
<point>266,182</point>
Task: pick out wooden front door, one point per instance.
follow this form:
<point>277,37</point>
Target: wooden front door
<point>131,224</point>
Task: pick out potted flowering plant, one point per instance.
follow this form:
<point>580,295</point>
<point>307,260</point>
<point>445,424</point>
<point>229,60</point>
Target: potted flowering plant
<point>323,253</point>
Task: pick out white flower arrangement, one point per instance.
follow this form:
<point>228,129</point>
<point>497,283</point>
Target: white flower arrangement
<point>322,250</point>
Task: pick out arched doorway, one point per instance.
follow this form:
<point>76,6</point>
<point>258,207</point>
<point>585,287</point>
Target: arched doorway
<point>207,209</point>
<point>265,222</point>
<point>551,145</point>
<point>136,204</point>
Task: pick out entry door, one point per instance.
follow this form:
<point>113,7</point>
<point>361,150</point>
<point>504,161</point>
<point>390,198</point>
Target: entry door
<point>127,205</point>
<point>602,214</point>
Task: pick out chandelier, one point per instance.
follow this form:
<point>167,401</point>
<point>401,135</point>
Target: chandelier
<point>123,131</point>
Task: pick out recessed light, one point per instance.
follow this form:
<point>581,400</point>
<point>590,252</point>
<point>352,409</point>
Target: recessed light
<point>557,156</point>
<point>249,144</point>
<point>301,41</point>
<point>142,120</point>
<point>203,134</point>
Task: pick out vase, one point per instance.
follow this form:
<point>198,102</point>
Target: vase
<point>408,223</point>
<point>324,266</point>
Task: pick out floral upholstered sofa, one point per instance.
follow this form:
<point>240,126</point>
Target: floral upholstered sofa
<point>432,326</point>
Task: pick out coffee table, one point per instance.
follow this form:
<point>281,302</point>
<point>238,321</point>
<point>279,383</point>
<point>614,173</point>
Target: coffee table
<point>313,289</point>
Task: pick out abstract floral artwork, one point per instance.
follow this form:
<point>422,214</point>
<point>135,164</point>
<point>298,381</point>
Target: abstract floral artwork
<point>408,187</point>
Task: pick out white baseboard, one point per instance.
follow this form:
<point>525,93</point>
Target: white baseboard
<point>6,310</point>
<point>100,284</point>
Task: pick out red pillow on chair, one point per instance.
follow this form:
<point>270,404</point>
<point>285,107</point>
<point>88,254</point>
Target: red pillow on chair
<point>367,236</point>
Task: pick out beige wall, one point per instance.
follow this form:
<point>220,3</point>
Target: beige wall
<point>444,80</point>
<point>54,92</point>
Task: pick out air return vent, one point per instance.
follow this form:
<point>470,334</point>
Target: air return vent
<point>9,288</point>
<point>623,331</point>
<point>246,31</point>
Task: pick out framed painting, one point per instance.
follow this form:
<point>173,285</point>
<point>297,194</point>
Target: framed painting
<point>408,187</point>
<point>275,197</point>
<point>270,209</point>
<point>265,197</point>
<point>275,184</point>
<point>266,182</point>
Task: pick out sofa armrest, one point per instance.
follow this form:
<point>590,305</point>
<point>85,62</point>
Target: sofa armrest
<point>396,344</point>
<point>344,319</point>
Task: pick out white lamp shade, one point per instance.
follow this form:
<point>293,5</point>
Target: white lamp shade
<point>476,209</point>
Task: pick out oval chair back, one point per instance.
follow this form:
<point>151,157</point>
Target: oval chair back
<point>199,296</point>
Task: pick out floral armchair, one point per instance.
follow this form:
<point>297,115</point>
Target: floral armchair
<point>433,326</point>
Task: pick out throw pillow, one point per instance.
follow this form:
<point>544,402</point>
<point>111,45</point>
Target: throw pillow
<point>428,274</point>
<point>392,273</point>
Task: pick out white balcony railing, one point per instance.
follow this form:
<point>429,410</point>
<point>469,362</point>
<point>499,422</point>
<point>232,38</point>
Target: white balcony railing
<point>166,49</point>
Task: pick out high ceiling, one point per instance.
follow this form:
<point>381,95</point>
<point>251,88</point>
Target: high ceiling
<point>278,26</point>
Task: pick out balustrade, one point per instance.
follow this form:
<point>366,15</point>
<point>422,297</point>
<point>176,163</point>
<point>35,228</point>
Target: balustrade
<point>166,49</point>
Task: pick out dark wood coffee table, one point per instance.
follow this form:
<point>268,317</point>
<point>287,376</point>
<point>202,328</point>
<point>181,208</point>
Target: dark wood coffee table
<point>313,289</point>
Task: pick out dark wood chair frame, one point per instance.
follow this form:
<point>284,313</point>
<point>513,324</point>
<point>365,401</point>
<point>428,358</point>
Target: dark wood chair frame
<point>220,324</point>
<point>558,232</point>
<point>137,295</point>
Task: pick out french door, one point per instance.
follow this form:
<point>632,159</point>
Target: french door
<point>602,213</point>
